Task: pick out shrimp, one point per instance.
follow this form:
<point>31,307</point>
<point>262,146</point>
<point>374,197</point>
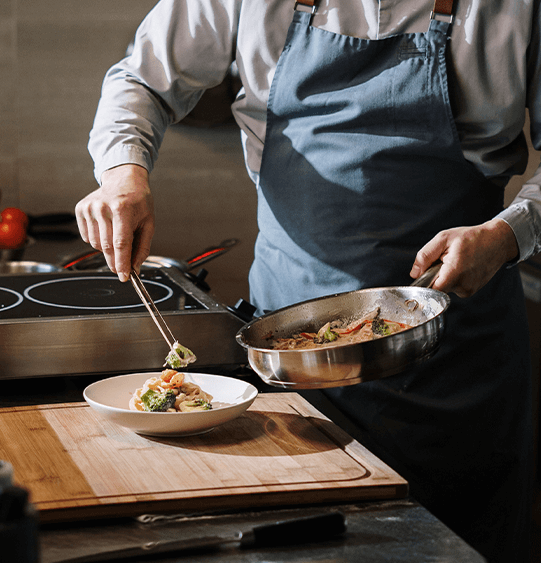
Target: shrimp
<point>172,378</point>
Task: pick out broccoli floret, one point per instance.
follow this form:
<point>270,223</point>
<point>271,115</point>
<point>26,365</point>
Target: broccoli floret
<point>380,327</point>
<point>205,405</point>
<point>158,402</point>
<point>181,359</point>
<point>325,334</point>
<point>197,405</point>
<point>329,335</point>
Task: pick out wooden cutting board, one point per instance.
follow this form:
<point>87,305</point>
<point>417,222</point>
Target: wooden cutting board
<point>282,451</point>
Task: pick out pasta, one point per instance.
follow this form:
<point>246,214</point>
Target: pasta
<point>368,327</point>
<point>170,393</point>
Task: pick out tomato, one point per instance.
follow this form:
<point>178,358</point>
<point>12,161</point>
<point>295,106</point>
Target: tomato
<point>13,225</point>
<point>13,214</point>
<point>12,234</point>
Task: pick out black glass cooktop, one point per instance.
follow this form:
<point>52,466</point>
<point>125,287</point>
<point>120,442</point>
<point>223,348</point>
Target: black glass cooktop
<point>86,293</point>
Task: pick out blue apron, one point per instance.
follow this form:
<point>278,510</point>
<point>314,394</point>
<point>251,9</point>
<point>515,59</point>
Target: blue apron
<point>362,166</point>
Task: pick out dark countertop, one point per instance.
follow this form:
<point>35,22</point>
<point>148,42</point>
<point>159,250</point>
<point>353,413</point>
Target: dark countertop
<point>397,531</point>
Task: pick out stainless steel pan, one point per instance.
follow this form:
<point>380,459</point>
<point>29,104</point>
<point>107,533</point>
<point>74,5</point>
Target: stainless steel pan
<point>349,363</point>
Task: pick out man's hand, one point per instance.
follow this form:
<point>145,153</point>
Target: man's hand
<point>470,256</point>
<point>118,218</point>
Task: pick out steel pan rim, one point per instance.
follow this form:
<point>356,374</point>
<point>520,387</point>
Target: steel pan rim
<point>241,334</point>
<point>24,267</point>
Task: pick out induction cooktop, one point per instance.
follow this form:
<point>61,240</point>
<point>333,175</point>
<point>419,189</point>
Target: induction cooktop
<point>80,323</point>
<point>83,293</point>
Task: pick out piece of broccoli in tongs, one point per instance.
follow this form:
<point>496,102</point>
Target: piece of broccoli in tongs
<point>153,401</point>
<point>180,358</point>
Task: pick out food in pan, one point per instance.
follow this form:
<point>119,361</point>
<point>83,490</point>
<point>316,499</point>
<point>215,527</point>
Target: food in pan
<point>338,332</point>
<point>170,393</point>
<point>179,357</point>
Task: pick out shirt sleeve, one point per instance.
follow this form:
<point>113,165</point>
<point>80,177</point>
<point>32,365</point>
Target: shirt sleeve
<point>524,213</point>
<point>182,48</point>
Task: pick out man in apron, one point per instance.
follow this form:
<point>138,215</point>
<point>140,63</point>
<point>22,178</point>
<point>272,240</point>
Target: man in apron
<point>363,177</point>
<point>333,187</point>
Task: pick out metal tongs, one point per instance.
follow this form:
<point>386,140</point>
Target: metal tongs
<point>173,344</point>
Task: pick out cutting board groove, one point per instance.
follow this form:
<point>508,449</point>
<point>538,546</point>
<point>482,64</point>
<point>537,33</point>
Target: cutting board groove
<point>282,451</point>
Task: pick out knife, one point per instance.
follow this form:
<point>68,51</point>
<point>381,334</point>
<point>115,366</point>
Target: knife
<point>285,532</point>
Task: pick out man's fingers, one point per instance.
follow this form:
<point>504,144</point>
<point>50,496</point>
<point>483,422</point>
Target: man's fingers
<point>123,237</point>
<point>141,244</point>
<point>81,221</point>
<point>118,218</point>
<point>471,256</point>
<point>105,233</point>
<point>93,231</point>
<point>447,279</point>
<point>430,253</point>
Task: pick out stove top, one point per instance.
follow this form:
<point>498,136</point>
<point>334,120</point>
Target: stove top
<point>82,323</point>
<point>79,293</point>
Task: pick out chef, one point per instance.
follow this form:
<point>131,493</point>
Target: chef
<point>380,136</point>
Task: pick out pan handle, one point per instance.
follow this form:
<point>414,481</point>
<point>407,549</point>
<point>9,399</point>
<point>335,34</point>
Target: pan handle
<point>243,310</point>
<point>94,259</point>
<point>211,253</point>
<point>427,279</point>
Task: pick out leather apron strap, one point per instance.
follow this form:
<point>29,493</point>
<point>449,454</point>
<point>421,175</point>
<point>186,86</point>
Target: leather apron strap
<point>442,8</point>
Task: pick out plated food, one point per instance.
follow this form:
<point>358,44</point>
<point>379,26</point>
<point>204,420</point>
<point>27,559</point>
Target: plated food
<point>170,392</point>
<point>110,398</point>
<point>338,332</point>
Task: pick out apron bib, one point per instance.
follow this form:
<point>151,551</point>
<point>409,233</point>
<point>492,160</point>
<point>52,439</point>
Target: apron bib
<point>362,166</point>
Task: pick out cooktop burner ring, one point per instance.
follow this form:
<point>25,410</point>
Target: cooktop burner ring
<point>18,296</point>
<point>104,292</point>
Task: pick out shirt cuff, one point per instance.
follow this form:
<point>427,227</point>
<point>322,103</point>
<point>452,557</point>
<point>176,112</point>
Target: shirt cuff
<point>122,154</point>
<point>517,216</point>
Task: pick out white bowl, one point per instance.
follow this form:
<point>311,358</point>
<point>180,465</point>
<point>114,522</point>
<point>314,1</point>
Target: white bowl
<point>110,398</point>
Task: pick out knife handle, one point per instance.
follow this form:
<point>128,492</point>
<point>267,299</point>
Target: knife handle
<point>295,531</point>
